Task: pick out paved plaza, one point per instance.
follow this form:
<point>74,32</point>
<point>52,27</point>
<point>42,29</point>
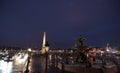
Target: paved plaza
<point>38,65</point>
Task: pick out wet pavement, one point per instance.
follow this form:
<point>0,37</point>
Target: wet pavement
<point>38,65</point>
<point>15,66</point>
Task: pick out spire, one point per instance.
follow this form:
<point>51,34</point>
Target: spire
<point>45,45</point>
<point>44,39</point>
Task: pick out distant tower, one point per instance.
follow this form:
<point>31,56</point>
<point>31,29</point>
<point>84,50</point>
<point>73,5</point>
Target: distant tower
<point>44,40</point>
<point>45,45</point>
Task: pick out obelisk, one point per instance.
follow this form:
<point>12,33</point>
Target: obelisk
<point>43,43</point>
<point>44,40</point>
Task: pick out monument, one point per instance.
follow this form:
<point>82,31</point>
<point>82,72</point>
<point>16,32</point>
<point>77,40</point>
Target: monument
<point>45,45</point>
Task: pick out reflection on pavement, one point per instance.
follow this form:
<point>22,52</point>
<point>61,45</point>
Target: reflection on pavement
<point>5,67</point>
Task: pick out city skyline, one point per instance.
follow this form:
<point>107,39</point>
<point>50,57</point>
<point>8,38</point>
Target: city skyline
<point>22,23</point>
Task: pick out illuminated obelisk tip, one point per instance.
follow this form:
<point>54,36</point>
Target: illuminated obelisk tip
<point>44,40</point>
<point>45,45</point>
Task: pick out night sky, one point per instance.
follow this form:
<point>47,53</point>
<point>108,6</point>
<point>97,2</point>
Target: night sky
<point>22,22</point>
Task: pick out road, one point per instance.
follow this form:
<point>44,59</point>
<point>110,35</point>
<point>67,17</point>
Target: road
<point>38,65</point>
<point>19,64</point>
<point>15,66</point>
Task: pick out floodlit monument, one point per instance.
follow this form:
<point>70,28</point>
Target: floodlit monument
<point>45,45</point>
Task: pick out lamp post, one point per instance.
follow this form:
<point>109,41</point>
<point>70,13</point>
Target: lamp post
<point>46,56</point>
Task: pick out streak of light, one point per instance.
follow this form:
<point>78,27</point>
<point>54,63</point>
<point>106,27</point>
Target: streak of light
<point>6,67</point>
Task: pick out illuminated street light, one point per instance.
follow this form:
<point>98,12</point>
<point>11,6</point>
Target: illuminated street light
<point>107,50</point>
<point>29,49</point>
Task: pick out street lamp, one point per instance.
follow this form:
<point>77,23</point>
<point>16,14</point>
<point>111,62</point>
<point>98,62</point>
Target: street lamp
<point>46,55</point>
<point>29,49</point>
